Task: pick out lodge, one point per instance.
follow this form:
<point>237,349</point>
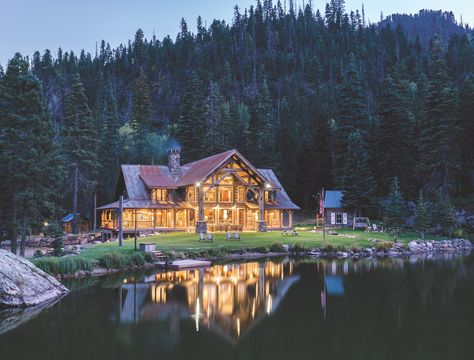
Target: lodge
<point>224,192</point>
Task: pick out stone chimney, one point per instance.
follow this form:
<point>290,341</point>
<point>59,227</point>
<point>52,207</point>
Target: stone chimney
<point>174,161</point>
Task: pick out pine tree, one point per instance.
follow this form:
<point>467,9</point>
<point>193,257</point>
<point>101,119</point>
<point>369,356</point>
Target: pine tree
<point>352,115</point>
<point>393,140</point>
<point>191,129</point>
<point>358,182</point>
<point>214,122</point>
<point>437,147</point>
<point>395,211</point>
<point>28,151</point>
<point>443,213</point>
<point>465,111</point>
<point>80,144</point>
<point>142,114</point>
<point>422,216</point>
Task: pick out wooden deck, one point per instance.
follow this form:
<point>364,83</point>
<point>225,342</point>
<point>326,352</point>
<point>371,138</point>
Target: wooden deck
<point>187,264</point>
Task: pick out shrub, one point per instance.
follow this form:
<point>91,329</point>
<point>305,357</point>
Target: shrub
<point>262,250</point>
<point>116,260</point>
<point>383,246</point>
<point>277,248</point>
<point>298,248</point>
<point>64,265</point>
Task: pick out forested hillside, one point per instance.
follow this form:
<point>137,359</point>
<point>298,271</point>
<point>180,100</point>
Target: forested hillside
<point>323,98</point>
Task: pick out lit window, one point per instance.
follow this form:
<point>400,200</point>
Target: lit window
<point>225,194</point>
<point>210,196</point>
<point>159,195</point>
<point>241,194</point>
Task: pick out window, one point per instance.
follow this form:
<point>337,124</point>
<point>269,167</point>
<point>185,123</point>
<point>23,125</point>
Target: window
<point>241,194</point>
<point>339,218</point>
<point>210,216</point>
<point>191,194</point>
<point>225,216</point>
<point>225,194</point>
<point>270,196</point>
<point>210,196</point>
<point>159,195</point>
<point>228,180</point>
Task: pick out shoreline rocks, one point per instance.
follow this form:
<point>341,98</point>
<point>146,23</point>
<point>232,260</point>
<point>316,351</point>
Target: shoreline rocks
<point>22,284</point>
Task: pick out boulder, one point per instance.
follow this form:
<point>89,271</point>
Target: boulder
<point>22,284</point>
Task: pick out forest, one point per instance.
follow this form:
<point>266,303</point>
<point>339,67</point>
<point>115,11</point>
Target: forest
<point>325,99</point>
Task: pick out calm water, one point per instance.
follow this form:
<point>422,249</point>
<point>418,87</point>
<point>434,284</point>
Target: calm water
<point>275,310</point>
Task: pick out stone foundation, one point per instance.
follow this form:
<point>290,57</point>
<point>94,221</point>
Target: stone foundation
<point>201,227</point>
<point>262,226</point>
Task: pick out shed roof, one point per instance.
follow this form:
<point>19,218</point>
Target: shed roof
<point>333,199</point>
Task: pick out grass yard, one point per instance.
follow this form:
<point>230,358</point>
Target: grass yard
<point>189,243</point>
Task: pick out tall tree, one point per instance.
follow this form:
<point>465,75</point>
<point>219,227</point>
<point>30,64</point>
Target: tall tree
<point>465,111</point>
<point>191,127</point>
<point>28,150</point>
<point>80,144</point>
<point>422,216</point>
<point>357,179</point>
<point>437,148</point>
<point>395,209</point>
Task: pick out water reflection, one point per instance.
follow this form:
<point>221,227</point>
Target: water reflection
<point>225,299</point>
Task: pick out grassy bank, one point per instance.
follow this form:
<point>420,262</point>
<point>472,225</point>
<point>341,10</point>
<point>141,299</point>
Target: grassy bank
<point>111,256</point>
<point>185,242</point>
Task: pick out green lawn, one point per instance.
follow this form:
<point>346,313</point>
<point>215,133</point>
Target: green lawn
<point>186,242</point>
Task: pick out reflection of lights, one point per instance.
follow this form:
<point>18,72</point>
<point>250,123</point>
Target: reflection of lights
<point>269,304</point>
<point>197,315</point>
<point>253,309</point>
<point>238,327</point>
<point>225,268</point>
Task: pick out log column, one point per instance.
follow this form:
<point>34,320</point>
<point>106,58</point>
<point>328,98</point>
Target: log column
<point>201,226</point>
<point>261,224</point>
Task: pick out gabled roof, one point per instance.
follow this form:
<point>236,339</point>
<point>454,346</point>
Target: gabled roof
<point>333,199</point>
<point>282,200</point>
<point>157,176</point>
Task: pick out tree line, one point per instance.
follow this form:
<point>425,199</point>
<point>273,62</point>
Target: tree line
<point>324,99</point>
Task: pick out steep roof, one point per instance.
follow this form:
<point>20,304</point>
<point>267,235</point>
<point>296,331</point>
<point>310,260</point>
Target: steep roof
<point>333,199</point>
<point>282,200</point>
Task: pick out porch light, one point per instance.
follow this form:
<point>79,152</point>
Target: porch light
<point>46,224</point>
<point>198,184</point>
<point>268,186</point>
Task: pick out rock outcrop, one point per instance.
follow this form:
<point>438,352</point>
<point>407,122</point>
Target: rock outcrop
<point>22,284</point>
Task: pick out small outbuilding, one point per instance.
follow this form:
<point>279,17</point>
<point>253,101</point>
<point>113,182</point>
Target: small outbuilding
<point>334,213</point>
<point>67,223</point>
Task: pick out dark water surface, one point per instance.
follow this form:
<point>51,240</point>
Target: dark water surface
<point>366,309</point>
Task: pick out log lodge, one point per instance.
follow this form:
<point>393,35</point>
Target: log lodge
<point>224,192</point>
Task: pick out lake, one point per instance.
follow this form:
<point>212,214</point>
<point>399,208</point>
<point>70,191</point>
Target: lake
<point>280,309</point>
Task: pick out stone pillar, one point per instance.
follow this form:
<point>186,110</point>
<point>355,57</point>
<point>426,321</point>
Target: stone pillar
<point>201,226</point>
<point>261,224</point>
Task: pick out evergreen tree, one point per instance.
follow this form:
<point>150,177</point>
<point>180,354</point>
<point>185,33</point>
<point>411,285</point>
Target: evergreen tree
<point>142,114</point>
<point>80,144</point>
<point>352,115</point>
<point>28,151</point>
<point>191,129</point>
<point>358,182</point>
<point>393,140</point>
<point>443,213</point>
<point>215,138</point>
<point>465,111</point>
<point>395,211</point>
<point>422,216</point>
<point>437,148</point>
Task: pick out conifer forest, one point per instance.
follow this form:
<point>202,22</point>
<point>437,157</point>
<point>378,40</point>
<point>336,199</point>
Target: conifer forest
<point>326,99</point>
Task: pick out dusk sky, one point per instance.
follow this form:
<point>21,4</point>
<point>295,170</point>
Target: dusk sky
<point>29,25</point>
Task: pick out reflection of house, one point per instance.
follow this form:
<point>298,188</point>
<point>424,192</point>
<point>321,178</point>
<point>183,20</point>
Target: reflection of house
<point>334,213</point>
<point>226,299</point>
<point>221,192</point>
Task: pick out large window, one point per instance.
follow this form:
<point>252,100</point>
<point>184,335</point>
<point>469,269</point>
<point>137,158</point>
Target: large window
<point>225,216</point>
<point>241,194</point>
<point>210,215</point>
<point>210,196</point>
<point>159,195</point>
<point>225,194</point>
<point>191,194</point>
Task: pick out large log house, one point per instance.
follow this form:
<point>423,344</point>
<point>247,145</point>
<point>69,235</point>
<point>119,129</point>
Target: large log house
<point>219,193</point>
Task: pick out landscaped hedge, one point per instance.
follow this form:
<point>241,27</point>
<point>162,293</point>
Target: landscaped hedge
<point>64,265</point>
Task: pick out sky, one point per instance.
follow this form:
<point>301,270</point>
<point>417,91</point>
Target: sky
<point>29,25</point>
